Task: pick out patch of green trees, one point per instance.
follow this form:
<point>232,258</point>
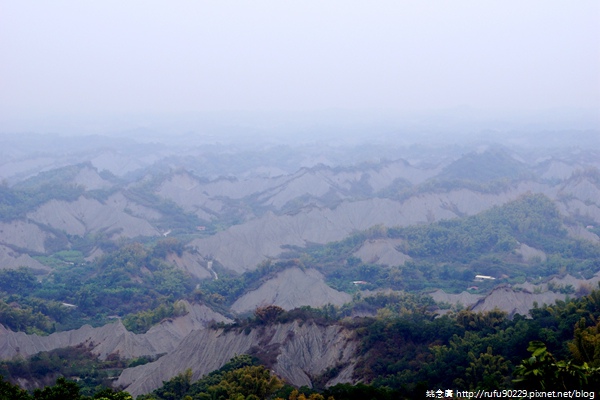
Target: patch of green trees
<point>63,389</point>
<point>129,281</point>
<point>406,349</point>
<point>16,203</point>
<point>449,253</point>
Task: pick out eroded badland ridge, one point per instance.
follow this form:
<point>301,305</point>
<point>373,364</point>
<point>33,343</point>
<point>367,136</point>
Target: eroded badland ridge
<point>299,230</point>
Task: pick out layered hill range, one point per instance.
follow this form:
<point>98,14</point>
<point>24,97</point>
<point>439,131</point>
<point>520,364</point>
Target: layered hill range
<point>239,222</point>
<point>234,223</point>
<point>299,353</point>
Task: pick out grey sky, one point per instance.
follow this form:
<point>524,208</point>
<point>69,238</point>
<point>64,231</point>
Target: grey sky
<point>130,57</point>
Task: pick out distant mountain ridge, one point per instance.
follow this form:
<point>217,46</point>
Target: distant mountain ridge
<point>295,236</point>
<point>249,219</point>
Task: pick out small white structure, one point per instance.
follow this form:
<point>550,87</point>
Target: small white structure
<point>483,277</point>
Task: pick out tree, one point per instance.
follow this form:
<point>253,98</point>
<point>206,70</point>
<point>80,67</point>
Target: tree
<point>63,390</point>
<point>110,394</point>
<point>268,314</point>
<point>12,392</point>
<point>585,346</point>
<point>177,387</point>
<point>252,382</point>
<point>487,371</point>
<point>19,280</point>
<point>295,395</point>
<point>543,371</point>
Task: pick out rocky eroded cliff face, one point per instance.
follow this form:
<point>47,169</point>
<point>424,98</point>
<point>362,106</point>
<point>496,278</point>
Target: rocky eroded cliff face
<point>296,352</point>
<point>255,217</point>
<point>112,338</point>
<point>242,247</point>
<point>291,289</point>
<point>519,299</point>
<point>245,220</point>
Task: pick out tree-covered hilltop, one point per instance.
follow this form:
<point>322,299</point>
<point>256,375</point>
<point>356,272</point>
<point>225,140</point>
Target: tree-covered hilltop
<point>532,219</point>
<point>449,253</point>
<point>133,282</point>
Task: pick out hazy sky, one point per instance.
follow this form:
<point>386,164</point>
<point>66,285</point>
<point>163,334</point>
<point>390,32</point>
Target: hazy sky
<point>90,58</point>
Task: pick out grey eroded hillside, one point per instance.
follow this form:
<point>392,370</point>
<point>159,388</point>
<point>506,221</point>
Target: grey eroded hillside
<point>240,221</point>
<point>247,219</point>
<point>301,352</point>
<point>251,212</point>
<point>113,338</point>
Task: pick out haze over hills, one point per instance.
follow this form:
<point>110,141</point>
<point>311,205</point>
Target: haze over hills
<point>299,200</point>
<point>239,220</point>
<point>248,218</point>
<point>291,226</point>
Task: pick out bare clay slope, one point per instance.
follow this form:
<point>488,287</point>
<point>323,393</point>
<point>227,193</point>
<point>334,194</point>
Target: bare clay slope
<point>382,251</point>
<point>300,352</point>
<point>318,205</point>
<point>291,289</point>
<point>518,299</point>
<point>89,216</point>
<point>111,338</point>
<point>10,258</point>
<point>242,247</point>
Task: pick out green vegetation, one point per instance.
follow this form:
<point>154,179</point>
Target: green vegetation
<point>532,219</point>
<point>406,350</point>
<point>19,280</point>
<point>449,253</point>
<point>16,203</point>
<point>24,317</point>
<point>404,347</point>
<point>403,350</point>
<point>62,258</point>
<point>130,281</point>
<point>62,390</point>
<point>122,282</point>
<point>181,385</point>
<point>144,320</point>
<point>21,312</point>
<point>173,217</point>
<point>242,377</point>
<point>543,372</point>
<point>228,288</point>
<point>26,196</point>
<point>43,368</point>
<point>58,176</point>
<point>404,190</point>
<point>493,171</point>
<point>468,350</point>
